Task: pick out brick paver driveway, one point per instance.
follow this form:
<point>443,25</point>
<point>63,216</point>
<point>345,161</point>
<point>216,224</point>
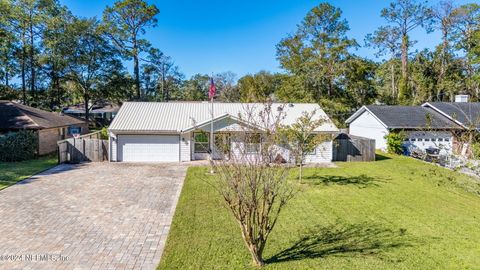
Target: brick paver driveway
<point>89,216</point>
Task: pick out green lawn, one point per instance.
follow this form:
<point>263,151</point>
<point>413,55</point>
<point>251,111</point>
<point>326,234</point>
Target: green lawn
<point>396,213</point>
<point>12,172</point>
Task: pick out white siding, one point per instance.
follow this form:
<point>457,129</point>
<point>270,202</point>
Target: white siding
<point>185,147</point>
<point>427,139</point>
<point>113,149</point>
<point>323,153</point>
<point>368,126</point>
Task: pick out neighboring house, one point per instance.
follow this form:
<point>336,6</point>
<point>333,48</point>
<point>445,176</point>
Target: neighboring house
<point>465,114</point>
<point>179,131</point>
<point>102,112</point>
<point>50,126</point>
<point>424,127</point>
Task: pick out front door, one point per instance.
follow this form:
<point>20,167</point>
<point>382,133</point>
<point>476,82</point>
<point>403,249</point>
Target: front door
<point>222,146</point>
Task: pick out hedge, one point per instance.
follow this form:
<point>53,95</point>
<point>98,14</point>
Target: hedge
<point>18,146</point>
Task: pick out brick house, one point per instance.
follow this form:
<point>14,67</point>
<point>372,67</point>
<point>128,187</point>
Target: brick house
<point>49,126</point>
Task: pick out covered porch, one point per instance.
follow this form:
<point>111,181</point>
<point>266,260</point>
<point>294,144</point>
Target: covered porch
<point>230,136</point>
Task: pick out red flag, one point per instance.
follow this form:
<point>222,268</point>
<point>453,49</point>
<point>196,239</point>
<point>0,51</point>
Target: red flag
<point>211,92</point>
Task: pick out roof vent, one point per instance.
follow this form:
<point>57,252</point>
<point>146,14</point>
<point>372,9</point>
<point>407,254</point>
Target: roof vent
<point>461,98</point>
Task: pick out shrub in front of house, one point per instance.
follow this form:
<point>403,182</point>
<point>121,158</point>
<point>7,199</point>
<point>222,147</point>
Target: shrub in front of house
<point>18,146</point>
<point>104,133</point>
<point>395,142</point>
<point>476,150</point>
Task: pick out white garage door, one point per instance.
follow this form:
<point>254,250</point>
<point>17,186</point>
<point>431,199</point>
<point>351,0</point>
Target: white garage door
<point>148,148</point>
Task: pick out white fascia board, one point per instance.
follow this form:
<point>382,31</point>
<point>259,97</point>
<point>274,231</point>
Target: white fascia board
<point>427,104</point>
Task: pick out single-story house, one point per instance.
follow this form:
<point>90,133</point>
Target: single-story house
<point>465,114</point>
<point>180,131</point>
<point>50,126</point>
<point>423,126</point>
<point>101,112</point>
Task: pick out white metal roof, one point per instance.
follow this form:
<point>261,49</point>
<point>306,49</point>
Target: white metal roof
<point>179,116</point>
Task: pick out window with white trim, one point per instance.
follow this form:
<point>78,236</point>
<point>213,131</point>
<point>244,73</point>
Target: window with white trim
<point>201,142</point>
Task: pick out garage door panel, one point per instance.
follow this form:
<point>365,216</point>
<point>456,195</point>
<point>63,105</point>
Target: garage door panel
<point>149,148</point>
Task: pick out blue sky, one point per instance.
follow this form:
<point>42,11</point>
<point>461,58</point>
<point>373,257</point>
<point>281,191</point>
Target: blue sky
<point>240,36</point>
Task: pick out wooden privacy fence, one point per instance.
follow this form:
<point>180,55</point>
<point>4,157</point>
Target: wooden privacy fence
<point>87,147</point>
<point>347,147</point>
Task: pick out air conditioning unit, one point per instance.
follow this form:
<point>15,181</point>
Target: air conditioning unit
<point>461,98</point>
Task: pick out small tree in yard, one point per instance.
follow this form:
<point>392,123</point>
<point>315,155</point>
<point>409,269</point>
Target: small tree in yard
<point>302,137</point>
<point>254,188</point>
<point>395,142</point>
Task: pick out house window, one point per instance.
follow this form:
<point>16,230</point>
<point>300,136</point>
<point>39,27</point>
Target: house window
<point>201,144</point>
<point>420,139</point>
<point>74,130</point>
<point>447,139</point>
<point>413,139</point>
<point>427,139</point>
<point>252,143</point>
<point>440,139</point>
<point>433,139</point>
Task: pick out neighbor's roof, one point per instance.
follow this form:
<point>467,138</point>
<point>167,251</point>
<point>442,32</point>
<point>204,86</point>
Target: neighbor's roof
<point>14,116</point>
<point>97,108</point>
<point>464,113</point>
<point>407,117</point>
<point>179,116</point>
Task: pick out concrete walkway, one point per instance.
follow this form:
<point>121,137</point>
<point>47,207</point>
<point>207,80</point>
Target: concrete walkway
<point>89,216</point>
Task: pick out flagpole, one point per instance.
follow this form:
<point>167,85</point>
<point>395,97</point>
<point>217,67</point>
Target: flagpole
<point>211,130</point>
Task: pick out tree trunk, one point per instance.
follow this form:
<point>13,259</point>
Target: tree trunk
<point>443,62</point>
<point>59,91</point>
<point>392,74</point>
<point>23,71</point>
<point>404,92</point>
<point>301,172</point>
<point>136,69</point>
<point>86,100</point>
<point>405,57</point>
<point>164,92</point>
<point>6,77</point>
<point>444,54</point>
<point>137,76</point>
<point>32,61</point>
<point>257,258</point>
<point>301,165</point>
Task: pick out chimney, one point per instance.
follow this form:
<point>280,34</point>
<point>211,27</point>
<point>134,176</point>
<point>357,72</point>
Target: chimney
<point>461,98</point>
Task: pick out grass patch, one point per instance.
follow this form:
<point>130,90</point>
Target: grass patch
<point>12,172</point>
<point>396,213</point>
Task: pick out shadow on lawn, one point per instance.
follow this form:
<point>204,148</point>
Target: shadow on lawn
<point>362,180</point>
<point>380,157</point>
<point>348,240</point>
